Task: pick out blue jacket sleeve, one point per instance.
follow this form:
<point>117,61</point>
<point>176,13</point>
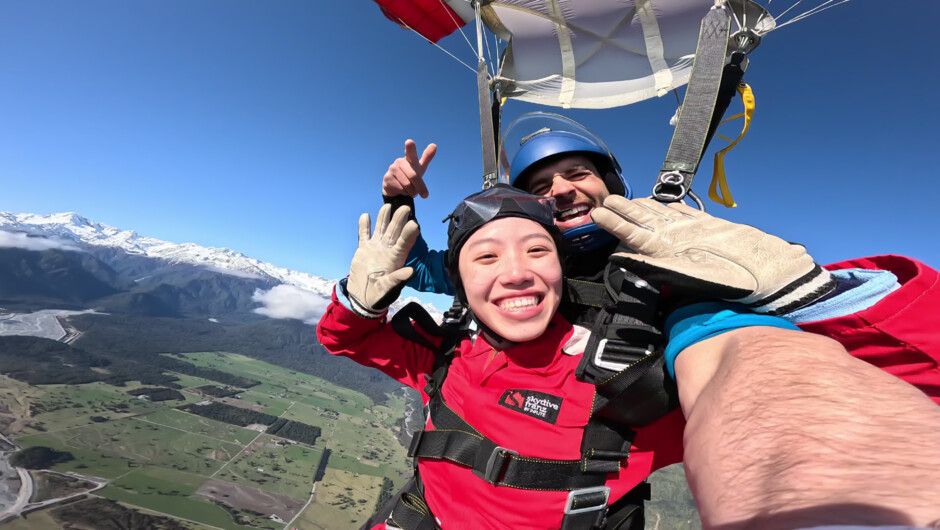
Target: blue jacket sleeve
<point>430,266</point>
<point>430,269</point>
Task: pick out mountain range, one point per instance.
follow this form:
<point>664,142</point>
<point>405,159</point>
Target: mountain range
<point>65,260</point>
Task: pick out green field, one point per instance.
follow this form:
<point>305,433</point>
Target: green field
<point>141,442</point>
<point>266,465</point>
<point>199,425</point>
<point>156,456</point>
<point>311,416</point>
<point>65,406</point>
<point>275,406</point>
<point>284,383</point>
<point>169,492</point>
<point>343,500</point>
<point>361,448</point>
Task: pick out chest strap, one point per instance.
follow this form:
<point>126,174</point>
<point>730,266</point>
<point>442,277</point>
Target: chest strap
<point>454,439</point>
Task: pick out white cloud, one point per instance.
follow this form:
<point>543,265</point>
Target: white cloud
<point>287,301</point>
<point>231,272</point>
<point>22,240</point>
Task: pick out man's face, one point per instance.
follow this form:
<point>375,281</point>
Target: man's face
<point>575,184</point>
<point>512,277</point>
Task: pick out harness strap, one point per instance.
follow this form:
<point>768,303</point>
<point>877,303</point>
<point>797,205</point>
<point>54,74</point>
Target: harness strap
<point>456,440</point>
<point>411,512</point>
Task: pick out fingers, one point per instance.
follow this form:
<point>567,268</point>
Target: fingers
<point>420,187</point>
<point>633,211</point>
<point>406,174</point>
<point>624,229</point>
<point>409,235</point>
<point>365,228</point>
<point>396,225</point>
<point>411,152</point>
<point>649,212</point>
<point>381,222</point>
<point>685,209</point>
<point>428,155</point>
<point>398,179</point>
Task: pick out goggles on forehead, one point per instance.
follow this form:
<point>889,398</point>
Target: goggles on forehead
<point>502,201</point>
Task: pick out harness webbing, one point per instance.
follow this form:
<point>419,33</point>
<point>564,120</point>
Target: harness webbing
<point>622,360</point>
<point>698,108</point>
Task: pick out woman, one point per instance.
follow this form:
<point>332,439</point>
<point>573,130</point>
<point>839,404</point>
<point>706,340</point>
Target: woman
<point>513,383</point>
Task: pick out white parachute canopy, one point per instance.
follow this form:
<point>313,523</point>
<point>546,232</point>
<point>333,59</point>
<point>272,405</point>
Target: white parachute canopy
<point>602,53</point>
<point>589,53</point>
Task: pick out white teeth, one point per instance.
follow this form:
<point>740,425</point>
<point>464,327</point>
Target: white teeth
<point>519,304</point>
<point>571,213</point>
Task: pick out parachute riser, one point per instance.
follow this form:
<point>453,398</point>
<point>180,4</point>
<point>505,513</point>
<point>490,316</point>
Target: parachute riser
<point>706,99</point>
<point>489,108</point>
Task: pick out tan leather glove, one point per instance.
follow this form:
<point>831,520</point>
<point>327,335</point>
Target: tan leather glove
<point>692,251</point>
<point>377,273</point>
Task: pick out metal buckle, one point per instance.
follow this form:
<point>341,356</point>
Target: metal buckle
<point>616,367</point>
<point>573,495</point>
<point>487,474</point>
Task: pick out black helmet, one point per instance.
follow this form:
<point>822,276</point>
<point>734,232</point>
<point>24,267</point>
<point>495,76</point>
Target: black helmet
<point>502,200</point>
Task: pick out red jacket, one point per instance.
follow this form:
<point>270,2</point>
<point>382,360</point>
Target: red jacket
<point>476,382</point>
<point>900,334</point>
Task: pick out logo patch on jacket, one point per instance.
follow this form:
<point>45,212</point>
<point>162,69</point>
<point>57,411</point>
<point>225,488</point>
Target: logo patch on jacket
<point>531,403</point>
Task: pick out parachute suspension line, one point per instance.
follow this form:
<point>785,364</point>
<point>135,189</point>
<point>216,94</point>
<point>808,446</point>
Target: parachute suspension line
<point>737,20</point>
<point>456,24</point>
<point>818,9</point>
<point>787,10</point>
<point>497,65</point>
<point>438,46</point>
<point>489,55</point>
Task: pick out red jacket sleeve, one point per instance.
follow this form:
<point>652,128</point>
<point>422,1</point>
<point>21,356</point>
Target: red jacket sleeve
<point>901,333</point>
<point>373,343</point>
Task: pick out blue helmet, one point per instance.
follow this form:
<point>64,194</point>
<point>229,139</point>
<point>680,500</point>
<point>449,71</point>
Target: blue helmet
<point>537,137</point>
<point>547,144</point>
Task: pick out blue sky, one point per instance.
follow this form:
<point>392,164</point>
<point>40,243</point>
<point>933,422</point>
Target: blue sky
<point>266,127</point>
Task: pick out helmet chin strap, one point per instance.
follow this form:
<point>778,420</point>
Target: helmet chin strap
<point>495,339</point>
<point>587,237</point>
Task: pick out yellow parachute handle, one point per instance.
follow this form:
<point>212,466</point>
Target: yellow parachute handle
<point>718,177</point>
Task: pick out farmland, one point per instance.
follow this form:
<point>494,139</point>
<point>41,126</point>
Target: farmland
<point>203,473</point>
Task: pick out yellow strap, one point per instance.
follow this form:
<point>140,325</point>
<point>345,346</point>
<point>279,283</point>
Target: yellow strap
<point>718,177</point>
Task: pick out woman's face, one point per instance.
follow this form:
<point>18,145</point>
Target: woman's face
<point>512,277</point>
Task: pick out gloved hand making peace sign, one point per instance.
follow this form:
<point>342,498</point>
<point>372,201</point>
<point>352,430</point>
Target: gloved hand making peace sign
<point>377,273</point>
<point>695,252</point>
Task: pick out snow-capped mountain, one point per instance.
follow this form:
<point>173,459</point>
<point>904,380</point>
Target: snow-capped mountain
<point>73,230</point>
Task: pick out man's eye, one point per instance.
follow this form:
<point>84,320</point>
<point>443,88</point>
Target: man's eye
<point>539,190</point>
<point>579,175</point>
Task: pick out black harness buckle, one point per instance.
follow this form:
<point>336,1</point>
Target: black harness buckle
<point>495,465</point>
<point>586,500</point>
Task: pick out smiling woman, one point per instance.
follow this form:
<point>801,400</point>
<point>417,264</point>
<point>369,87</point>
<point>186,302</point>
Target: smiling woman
<point>512,412</point>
